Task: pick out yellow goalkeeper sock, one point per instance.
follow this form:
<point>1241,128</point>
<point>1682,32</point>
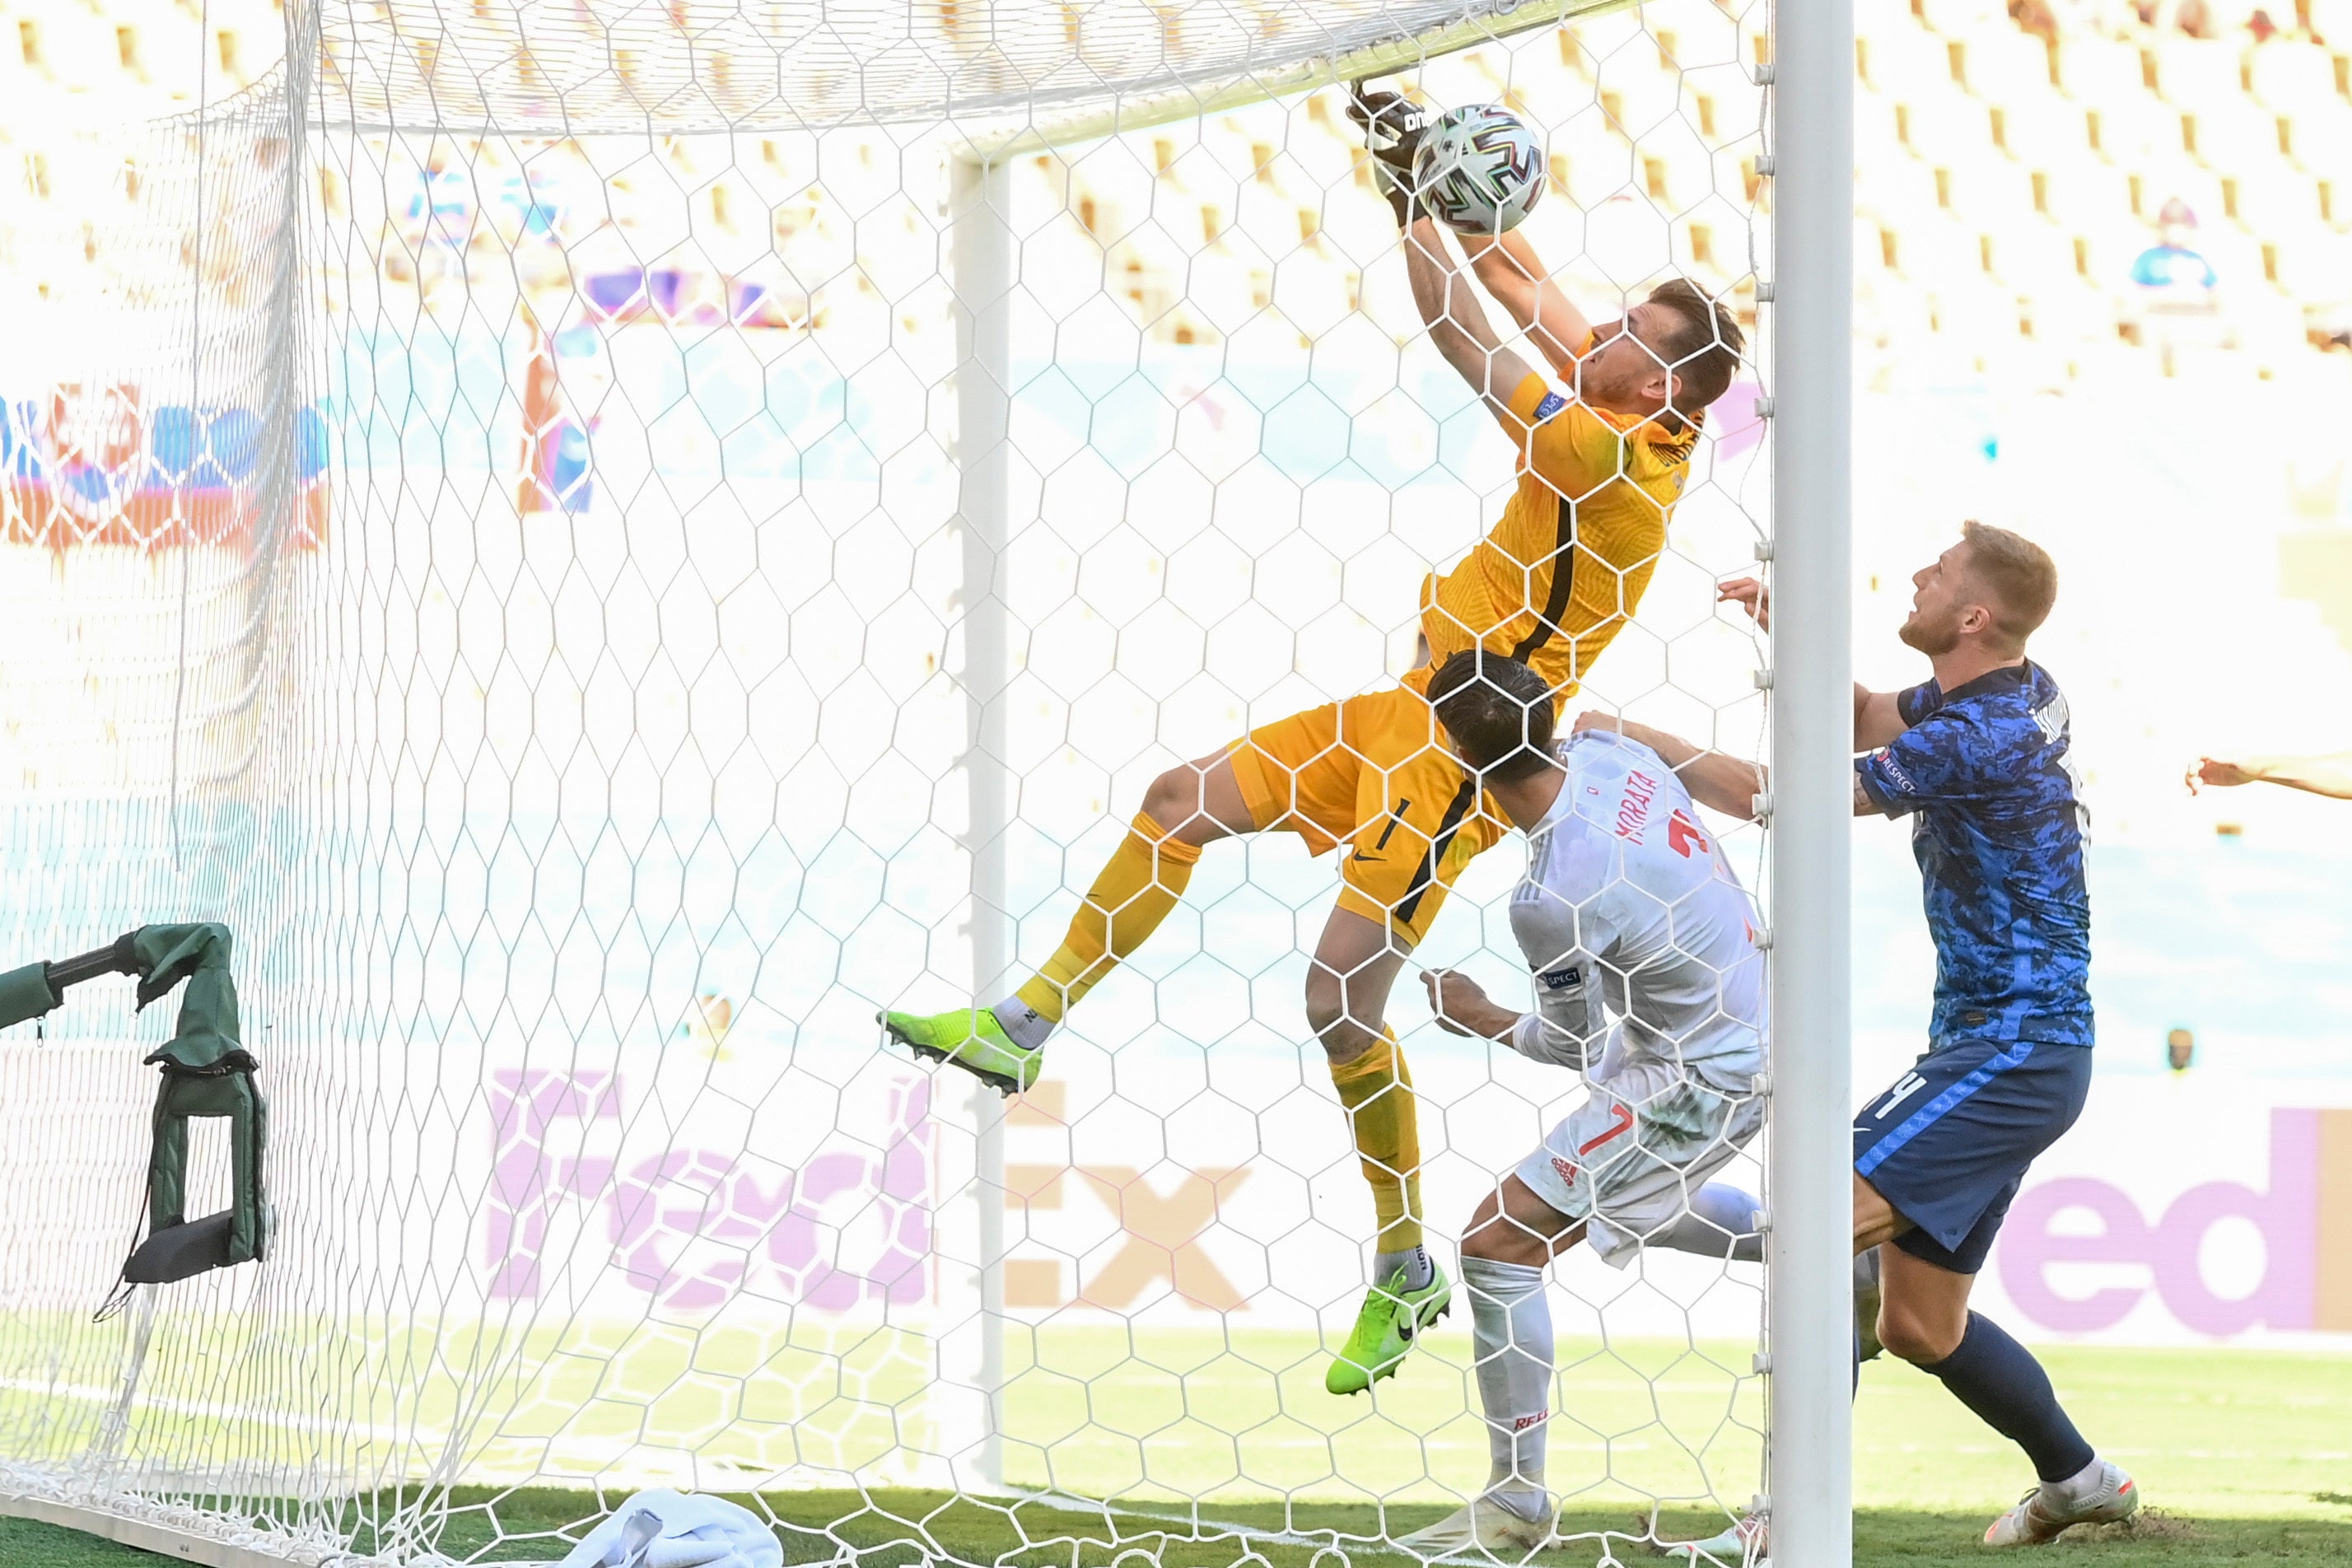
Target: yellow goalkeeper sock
<point>1377,1089</point>
<point>1144,879</point>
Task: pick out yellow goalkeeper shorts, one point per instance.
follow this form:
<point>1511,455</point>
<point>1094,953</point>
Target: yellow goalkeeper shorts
<point>1369,775</point>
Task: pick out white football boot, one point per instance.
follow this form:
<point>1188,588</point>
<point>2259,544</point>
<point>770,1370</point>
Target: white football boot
<point>1485,1529</point>
<point>1741,1546</point>
<point>2040,1518</point>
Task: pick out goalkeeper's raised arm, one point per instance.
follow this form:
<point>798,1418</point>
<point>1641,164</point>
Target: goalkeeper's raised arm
<point>1457,324</point>
<point>1509,268</point>
<point>1505,265</point>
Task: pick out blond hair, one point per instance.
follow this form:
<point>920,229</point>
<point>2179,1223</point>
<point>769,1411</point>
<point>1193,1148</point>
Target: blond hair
<point>2017,574</point>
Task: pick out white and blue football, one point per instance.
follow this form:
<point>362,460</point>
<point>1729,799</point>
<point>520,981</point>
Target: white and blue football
<point>1479,169</point>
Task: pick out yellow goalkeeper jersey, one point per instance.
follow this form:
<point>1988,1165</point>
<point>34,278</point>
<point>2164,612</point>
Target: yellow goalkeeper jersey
<point>1561,572</point>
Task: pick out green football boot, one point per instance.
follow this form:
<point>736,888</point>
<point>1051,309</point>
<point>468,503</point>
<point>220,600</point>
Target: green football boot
<point>1386,1329</point>
<point>971,1038</point>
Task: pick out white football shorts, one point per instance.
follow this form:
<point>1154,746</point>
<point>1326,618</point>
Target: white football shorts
<point>1626,1160</point>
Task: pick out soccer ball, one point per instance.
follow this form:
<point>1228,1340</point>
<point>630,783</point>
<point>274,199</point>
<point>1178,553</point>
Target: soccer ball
<point>1479,169</point>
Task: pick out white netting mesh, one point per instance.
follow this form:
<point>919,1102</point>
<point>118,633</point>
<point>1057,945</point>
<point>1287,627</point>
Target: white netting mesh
<point>561,67</point>
<point>597,682</point>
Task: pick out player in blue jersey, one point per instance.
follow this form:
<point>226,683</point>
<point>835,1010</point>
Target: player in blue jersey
<point>1977,756</point>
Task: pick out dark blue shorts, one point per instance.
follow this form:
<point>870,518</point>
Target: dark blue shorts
<point>1947,1143</point>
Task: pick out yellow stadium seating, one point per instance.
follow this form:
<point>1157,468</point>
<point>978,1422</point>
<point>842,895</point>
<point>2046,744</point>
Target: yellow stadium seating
<point>2004,186</point>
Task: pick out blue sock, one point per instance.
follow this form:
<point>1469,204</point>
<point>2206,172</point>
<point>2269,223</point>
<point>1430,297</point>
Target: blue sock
<point>1998,1379</point>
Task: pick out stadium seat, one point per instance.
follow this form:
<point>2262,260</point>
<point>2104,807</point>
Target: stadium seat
<point>2332,20</point>
<point>2045,126</point>
<point>2099,71</point>
<point>2276,202</point>
<point>1976,310</point>
<point>1873,19</point>
<point>1962,18</point>
<point>2059,216</point>
<point>2321,139</point>
<point>1637,96</point>
<point>2234,136</point>
<point>1755,39</point>
<point>1907,59</point>
<point>2288,74</point>
<point>1312,293</point>
<point>1593,39</point>
<point>2066,309</point>
<point>1358,224</point>
<point>1267,218</point>
<point>1893,311</point>
<point>2032,255</point>
<point>1904,191</point>
<point>2197,74</point>
<point>2318,269</point>
<point>1876,145</point>
<point>1687,20</point>
<point>1940,252</point>
<point>1712,247</point>
<point>2002,63</point>
<point>1994,191</point>
<point>2086,191</point>
<point>1944,125</point>
<point>1323,156</point>
<point>2137,128</point>
<point>1623,237</point>
<point>1675,165</point>
<point>1736,104</point>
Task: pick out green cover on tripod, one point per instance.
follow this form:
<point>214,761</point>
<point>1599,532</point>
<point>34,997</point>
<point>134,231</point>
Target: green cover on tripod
<point>206,1072</point>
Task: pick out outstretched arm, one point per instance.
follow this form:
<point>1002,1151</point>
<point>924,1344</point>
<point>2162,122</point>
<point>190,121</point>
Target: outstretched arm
<point>1725,783</point>
<point>1878,717</point>
<point>1458,326</point>
<point>1722,783</point>
<point>2328,775</point>
<point>1507,267</point>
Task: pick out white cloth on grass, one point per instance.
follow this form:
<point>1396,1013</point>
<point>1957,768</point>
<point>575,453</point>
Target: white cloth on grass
<point>673,1530</point>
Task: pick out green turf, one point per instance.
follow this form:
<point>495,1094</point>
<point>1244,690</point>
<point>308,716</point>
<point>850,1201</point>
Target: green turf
<point>2244,1457</point>
<point>909,1530</point>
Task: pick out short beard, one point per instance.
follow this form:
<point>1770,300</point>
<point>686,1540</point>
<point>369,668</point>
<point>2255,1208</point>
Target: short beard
<point>1933,640</point>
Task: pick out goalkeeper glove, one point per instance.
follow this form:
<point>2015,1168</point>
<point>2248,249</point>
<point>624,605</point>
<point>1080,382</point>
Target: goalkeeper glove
<point>1393,124</point>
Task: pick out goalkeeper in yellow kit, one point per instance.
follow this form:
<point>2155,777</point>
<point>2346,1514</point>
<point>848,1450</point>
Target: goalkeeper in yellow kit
<point>1552,582</point>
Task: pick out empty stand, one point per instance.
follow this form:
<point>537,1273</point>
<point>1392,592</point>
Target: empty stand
<point>2005,183</point>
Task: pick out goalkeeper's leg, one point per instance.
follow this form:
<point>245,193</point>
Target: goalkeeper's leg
<point>1355,964</point>
<point>1188,807</point>
<point>1419,821</point>
<point>1301,774</point>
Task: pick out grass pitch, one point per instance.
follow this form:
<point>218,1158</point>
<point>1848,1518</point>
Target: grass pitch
<point>2244,1457</point>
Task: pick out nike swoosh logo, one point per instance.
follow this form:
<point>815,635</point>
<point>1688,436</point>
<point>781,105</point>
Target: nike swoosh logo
<point>1360,854</point>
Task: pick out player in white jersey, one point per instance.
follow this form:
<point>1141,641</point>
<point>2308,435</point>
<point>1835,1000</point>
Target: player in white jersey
<point>1649,983</point>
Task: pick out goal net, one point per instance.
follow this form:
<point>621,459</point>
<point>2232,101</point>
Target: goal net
<point>610,543</point>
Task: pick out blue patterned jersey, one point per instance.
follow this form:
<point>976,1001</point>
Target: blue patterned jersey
<point>1983,773</point>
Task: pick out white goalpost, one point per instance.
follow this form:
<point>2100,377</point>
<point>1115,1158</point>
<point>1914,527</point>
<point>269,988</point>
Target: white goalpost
<point>1809,1464</point>
<point>609,542</point>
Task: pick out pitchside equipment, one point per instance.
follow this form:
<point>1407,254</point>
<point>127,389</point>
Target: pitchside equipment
<point>1479,169</point>
<point>611,543</point>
